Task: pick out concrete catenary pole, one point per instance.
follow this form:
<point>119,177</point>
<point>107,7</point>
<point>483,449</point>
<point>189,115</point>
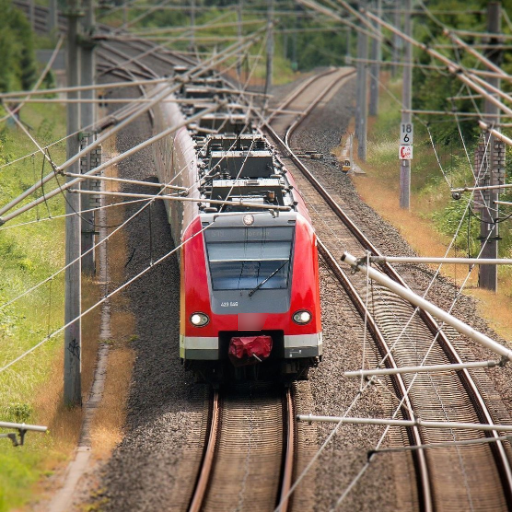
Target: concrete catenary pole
<point>240,18</point>
<point>397,42</point>
<point>87,120</point>
<point>53,16</point>
<point>488,277</point>
<point>72,334</point>
<point>361,106</point>
<point>295,62</point>
<point>270,46</point>
<point>375,66</point>
<point>405,165</point>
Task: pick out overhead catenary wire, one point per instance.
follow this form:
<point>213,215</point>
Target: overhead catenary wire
<point>102,300</point>
<point>99,168</point>
<point>105,238</point>
<point>367,464</point>
<point>196,71</point>
<point>64,215</point>
<point>312,461</point>
<point>184,199</point>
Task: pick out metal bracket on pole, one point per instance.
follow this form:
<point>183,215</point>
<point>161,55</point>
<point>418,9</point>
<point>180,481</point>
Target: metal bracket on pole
<point>22,429</point>
<point>418,422</point>
<point>425,305</point>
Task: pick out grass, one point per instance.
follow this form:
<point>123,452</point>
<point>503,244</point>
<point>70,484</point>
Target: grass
<point>429,223</point>
<point>31,390</point>
<point>108,423</point>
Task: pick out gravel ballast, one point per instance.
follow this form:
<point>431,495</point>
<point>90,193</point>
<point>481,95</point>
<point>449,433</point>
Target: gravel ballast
<point>154,466</point>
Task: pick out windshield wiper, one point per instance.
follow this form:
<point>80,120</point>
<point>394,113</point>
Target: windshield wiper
<point>254,290</point>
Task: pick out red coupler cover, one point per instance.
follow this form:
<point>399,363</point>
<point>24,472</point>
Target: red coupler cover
<point>249,349</point>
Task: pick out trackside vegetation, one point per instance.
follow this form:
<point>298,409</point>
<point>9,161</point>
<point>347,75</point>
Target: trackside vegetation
<point>432,206</point>
<point>32,245</point>
<point>17,58</point>
<point>28,255</point>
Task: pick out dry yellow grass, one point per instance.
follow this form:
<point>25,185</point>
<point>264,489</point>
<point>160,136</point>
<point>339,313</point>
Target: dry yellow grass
<point>64,423</point>
<point>108,423</point>
<point>383,196</point>
<point>107,428</point>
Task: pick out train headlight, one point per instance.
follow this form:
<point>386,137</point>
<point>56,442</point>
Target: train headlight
<point>248,220</point>
<point>199,319</point>
<point>302,317</point>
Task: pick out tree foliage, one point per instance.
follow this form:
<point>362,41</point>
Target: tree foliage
<point>434,90</point>
<point>17,58</point>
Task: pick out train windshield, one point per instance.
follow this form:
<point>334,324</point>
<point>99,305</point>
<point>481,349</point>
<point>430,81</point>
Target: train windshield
<point>249,258</point>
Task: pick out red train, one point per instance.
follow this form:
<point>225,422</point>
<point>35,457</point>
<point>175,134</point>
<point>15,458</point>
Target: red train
<point>250,305</point>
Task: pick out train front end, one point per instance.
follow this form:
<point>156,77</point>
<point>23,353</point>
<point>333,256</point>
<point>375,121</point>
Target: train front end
<point>250,296</point>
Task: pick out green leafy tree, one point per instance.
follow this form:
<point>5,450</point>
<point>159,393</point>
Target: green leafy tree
<point>17,57</point>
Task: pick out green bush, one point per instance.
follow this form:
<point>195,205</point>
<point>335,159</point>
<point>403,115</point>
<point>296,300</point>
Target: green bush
<point>17,59</point>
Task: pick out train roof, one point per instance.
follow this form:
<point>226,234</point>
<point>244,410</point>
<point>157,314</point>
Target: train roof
<point>238,170</point>
<point>244,171</point>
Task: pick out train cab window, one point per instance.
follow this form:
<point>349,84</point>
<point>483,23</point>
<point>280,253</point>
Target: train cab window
<point>246,258</point>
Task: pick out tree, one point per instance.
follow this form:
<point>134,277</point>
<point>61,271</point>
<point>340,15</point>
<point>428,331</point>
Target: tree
<point>17,58</point>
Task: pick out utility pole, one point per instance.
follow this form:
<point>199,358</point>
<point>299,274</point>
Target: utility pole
<point>53,16</point>
<point>348,43</point>
<point>72,333</point>
<point>270,46</point>
<point>87,121</point>
<point>361,107</point>
<point>405,164</point>
<point>240,18</point>
<point>375,67</point>
<point>494,173</point>
<point>397,43</point>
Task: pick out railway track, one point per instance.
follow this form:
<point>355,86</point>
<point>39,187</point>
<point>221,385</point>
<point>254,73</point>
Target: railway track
<point>249,455</point>
<point>451,396</point>
<point>250,449</point>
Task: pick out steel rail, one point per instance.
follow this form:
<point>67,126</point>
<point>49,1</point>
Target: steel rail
<point>296,92</point>
<point>289,452</point>
<point>476,398</point>
<point>413,433</point>
<point>203,480</point>
<point>407,409</point>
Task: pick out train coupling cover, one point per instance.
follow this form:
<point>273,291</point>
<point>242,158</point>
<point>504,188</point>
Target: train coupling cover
<point>249,350</point>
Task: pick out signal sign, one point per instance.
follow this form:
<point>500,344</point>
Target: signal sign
<point>406,134</point>
<point>405,153</point>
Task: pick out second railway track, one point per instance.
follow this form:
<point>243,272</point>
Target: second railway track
<point>482,472</point>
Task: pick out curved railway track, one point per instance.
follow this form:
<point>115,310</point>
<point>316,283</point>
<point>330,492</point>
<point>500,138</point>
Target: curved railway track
<point>450,396</point>
<point>249,454</point>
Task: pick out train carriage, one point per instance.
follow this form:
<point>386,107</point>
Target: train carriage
<point>249,293</point>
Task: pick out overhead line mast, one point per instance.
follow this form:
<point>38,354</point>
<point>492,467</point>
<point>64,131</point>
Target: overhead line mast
<point>405,163</point>
<point>494,166</point>
<point>73,303</point>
